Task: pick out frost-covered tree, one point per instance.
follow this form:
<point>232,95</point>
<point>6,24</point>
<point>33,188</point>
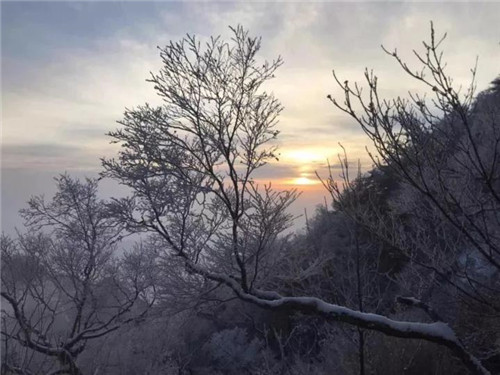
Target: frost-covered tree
<point>190,164</point>
<point>442,219</point>
<point>63,284</point>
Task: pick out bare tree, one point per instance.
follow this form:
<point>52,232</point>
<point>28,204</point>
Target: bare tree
<point>190,164</point>
<point>62,283</point>
<point>444,154</point>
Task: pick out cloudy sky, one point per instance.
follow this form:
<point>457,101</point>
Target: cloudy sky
<point>69,69</point>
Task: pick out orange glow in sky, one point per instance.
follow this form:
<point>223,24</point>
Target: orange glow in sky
<point>306,162</point>
<point>304,181</point>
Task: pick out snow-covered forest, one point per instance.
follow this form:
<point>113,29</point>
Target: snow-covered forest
<point>399,273</point>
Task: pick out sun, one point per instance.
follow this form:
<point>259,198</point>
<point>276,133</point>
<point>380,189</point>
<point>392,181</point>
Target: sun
<point>304,162</point>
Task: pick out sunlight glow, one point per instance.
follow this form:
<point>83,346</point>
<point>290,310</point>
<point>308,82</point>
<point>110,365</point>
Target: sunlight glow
<point>305,155</point>
<point>304,181</point>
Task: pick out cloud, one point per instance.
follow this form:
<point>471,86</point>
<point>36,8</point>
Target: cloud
<point>37,150</point>
<point>50,157</point>
<point>69,70</point>
<point>83,132</point>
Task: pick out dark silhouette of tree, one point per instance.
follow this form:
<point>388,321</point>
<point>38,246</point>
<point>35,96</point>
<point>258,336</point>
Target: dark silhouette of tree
<point>190,162</point>
<point>444,154</point>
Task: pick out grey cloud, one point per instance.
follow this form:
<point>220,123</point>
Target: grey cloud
<point>276,171</point>
<point>83,133</point>
<point>38,150</point>
<point>49,156</point>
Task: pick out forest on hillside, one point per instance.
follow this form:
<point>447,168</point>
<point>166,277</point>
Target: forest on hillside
<point>400,274</point>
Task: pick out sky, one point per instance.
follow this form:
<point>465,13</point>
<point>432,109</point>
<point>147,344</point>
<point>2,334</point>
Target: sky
<point>69,69</point>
